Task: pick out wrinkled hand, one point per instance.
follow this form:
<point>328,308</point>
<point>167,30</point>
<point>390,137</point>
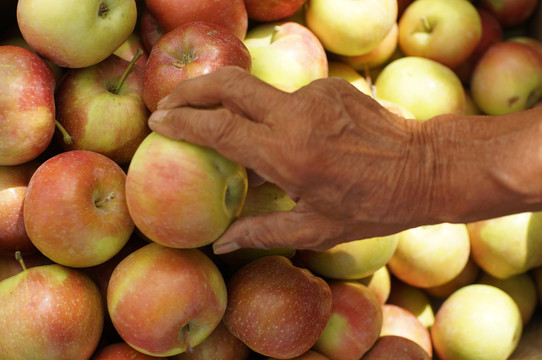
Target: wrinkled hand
<point>337,152</point>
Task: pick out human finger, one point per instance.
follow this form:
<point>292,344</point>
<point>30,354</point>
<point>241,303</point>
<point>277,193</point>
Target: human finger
<point>229,86</point>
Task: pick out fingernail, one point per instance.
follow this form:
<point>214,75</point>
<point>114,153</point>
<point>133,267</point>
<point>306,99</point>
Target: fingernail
<point>225,247</point>
<point>163,100</point>
<point>157,117</point>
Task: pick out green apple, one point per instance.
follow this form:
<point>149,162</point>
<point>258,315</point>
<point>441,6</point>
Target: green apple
<point>478,322</point>
<point>348,27</point>
<point>431,255</point>
<point>413,299</point>
<point>347,72</point>
<point>469,275</point>
<point>446,31</point>
<point>183,195</point>
<point>507,245</point>
<point>350,260</point>
<point>379,282</point>
<point>424,86</point>
<point>286,54</point>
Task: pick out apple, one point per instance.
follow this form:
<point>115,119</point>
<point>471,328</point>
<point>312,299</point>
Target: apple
<point>229,14</point>
<point>220,344</point>
<point>401,322</point>
<point>378,56</point>
<point>183,195</point>
<point>511,12</point>
<point>190,50</point>
<point>379,283</point>
<point>350,260</point>
<point>121,351</point>
<point>534,43</point>
<point>76,34</point>
<point>477,322</point>
<point>272,10</point>
<point>492,33</point>
<point>413,299</point>
<point>165,301</point>
<point>446,31</point>
<point>13,184</point>
<point>10,266</point>
<point>469,275</point>
<point>27,113</point>
<point>397,109</point>
<point>129,49</point>
<point>57,307</point>
<point>150,31</point>
<point>309,355</point>
<point>276,308</point>
<point>393,347</point>
<point>101,109</point>
<point>508,78</point>
<point>430,255</point>
<point>75,209</point>
<point>423,86</point>
<point>508,245</point>
<point>521,288</point>
<point>286,54</point>
<point>351,27</point>
<point>347,72</point>
<point>354,324</point>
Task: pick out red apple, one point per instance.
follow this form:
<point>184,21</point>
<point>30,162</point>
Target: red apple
<point>190,50</point>
<point>121,351</point>
<point>309,355</point>
<point>272,10</point>
<point>511,12</point>
<point>230,14</point>
<point>150,30</point>
<point>355,322</point>
<point>101,108</point>
<point>27,105</point>
<point>277,309</point>
<point>129,49</point>
<point>393,347</point>
<point>10,266</point>
<point>13,184</point>
<point>166,301</point>
<point>75,210</point>
<point>49,312</point>
<point>220,344</point>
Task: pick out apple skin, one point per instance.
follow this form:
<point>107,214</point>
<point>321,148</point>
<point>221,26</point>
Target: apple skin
<point>276,308</point>
<point>229,14</point>
<point>190,50</point>
<point>76,34</point>
<point>27,112</point>
<point>99,118</point>
<point>379,283</point>
<point>75,209</point>
<point>286,54</point>
<point>57,307</point>
<point>428,256</point>
<point>13,184</point>
<point>309,355</point>
<point>9,266</point>
<point>510,12</point>
<point>477,322</point>
<point>272,10</point>
<point>508,78</point>
<point>150,31</point>
<point>469,275</point>
<point>165,301</point>
<point>121,351</point>
<point>350,260</point>
<point>183,195</point>
<point>393,347</point>
<point>220,344</point>
<point>354,324</point>
<point>350,27</point>
<point>129,48</point>
<point>451,31</point>
<point>413,299</point>
<point>347,72</point>
<point>508,245</point>
<point>401,322</point>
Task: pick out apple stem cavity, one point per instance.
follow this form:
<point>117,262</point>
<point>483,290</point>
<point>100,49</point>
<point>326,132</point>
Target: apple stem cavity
<point>103,10</point>
<point>118,86</point>
<point>19,258</point>
<point>66,137</point>
<point>426,24</point>
<point>233,200</point>
<point>109,197</point>
<point>184,334</point>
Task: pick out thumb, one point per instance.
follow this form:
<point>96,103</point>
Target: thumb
<point>279,229</point>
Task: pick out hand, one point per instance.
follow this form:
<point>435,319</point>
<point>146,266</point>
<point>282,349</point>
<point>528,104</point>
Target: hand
<point>346,160</point>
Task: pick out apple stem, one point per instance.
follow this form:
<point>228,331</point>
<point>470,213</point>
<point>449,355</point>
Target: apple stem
<point>187,339</point>
<point>19,258</point>
<point>426,24</point>
<point>119,84</point>
<point>66,137</point>
<point>108,198</point>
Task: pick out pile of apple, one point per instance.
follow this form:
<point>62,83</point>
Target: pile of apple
<point>106,227</point>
